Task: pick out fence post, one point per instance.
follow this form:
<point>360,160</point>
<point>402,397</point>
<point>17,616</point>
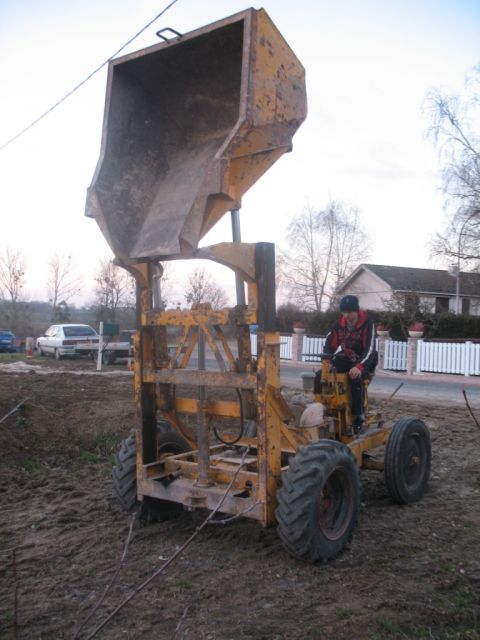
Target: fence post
<point>297,347</point>
<point>381,351</point>
<point>466,361</point>
<point>412,347</point>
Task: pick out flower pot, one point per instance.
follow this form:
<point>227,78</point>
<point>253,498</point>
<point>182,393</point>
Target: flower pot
<point>382,333</point>
<point>415,334</point>
<point>298,330</point>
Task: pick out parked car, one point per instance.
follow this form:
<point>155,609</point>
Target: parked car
<point>7,341</point>
<point>62,339</point>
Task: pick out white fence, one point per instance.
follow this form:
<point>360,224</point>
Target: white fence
<point>449,357</point>
<point>312,348</point>
<point>285,346</point>
<point>395,355</point>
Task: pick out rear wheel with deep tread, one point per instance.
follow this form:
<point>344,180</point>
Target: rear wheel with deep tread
<point>124,474</point>
<point>407,460</point>
<point>319,500</point>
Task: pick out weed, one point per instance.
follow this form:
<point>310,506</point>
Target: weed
<point>106,443</point>
<point>314,631</point>
<point>391,626</point>
<point>31,465</point>
<point>87,457</point>
<point>462,599</point>
<point>343,613</point>
<point>445,566</point>
<point>184,584</point>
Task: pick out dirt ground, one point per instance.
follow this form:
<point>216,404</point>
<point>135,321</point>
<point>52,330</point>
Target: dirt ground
<point>409,572</point>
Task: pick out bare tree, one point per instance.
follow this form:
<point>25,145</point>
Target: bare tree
<point>454,130</point>
<point>115,288</point>
<point>201,289</point>
<point>12,281</point>
<point>62,284</point>
<point>323,247</point>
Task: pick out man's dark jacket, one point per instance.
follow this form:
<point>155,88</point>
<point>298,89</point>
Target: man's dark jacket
<point>357,344</point>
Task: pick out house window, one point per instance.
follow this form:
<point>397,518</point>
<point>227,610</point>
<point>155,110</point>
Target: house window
<point>466,306</point>
<point>411,303</point>
<point>441,305</point>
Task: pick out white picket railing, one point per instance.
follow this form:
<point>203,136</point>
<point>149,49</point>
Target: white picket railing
<point>395,355</point>
<point>285,346</point>
<point>312,348</point>
<point>449,357</point>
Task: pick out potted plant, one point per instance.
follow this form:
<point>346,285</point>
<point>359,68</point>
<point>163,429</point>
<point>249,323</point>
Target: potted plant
<point>416,330</point>
<point>298,327</point>
<point>382,330</point>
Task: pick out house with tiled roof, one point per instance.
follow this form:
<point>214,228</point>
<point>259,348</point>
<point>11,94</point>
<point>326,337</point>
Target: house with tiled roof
<point>383,287</point>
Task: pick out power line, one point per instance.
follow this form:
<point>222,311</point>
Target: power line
<point>164,10</point>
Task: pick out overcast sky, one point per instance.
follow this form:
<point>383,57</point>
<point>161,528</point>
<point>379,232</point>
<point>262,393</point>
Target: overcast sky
<point>369,67</point>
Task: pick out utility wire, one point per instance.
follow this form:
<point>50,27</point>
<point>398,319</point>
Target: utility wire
<point>164,10</point>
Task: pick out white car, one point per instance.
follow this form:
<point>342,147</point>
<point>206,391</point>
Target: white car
<point>61,339</point>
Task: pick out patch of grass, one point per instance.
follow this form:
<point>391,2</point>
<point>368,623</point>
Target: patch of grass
<point>314,631</point>
<point>343,613</point>
<point>462,599</point>
<point>31,465</point>
<point>390,626</point>
<point>12,357</point>
<point>106,444</point>
<point>445,566</point>
<point>184,584</point>
<point>87,457</point>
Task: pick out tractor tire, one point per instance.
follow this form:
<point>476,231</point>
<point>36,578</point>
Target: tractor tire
<point>319,501</point>
<point>407,460</point>
<point>124,475</point>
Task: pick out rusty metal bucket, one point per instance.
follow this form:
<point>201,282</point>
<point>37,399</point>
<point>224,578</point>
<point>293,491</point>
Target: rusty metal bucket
<point>189,126</point>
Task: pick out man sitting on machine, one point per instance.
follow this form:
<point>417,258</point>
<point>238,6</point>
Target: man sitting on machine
<point>351,347</point>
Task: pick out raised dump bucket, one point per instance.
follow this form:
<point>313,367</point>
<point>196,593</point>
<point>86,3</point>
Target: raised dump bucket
<point>189,126</point>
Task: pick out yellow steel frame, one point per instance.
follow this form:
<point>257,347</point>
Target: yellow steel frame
<point>156,371</point>
<point>199,478</point>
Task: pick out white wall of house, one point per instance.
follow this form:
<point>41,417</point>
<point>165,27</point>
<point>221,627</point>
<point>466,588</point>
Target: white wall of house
<point>372,292</point>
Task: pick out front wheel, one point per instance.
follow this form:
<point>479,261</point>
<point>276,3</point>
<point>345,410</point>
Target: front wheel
<point>407,460</point>
<point>319,500</point>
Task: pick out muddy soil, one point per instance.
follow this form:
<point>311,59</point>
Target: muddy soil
<point>409,572</point>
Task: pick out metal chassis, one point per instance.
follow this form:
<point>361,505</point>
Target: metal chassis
<point>199,479</point>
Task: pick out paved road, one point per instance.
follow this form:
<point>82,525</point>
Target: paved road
<point>437,388</point>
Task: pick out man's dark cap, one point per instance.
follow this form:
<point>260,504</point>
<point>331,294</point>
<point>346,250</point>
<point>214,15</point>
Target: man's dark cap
<point>349,303</point>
